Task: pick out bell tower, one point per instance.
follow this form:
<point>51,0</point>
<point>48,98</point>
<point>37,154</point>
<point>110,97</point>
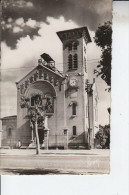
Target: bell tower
<point>75,69</point>
<point>74,50</point>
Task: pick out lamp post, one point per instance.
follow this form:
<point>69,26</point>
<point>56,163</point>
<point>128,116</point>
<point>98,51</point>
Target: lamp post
<point>37,138</point>
<point>46,130</point>
<point>66,138</point>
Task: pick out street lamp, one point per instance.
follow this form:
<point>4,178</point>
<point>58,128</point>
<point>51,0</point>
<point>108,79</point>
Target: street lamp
<point>46,129</point>
<point>66,138</point>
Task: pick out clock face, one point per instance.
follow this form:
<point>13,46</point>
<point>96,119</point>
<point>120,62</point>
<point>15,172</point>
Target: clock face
<point>73,82</point>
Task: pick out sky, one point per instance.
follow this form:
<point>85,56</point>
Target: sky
<point>29,29</point>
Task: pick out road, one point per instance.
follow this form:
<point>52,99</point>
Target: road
<point>54,163</point>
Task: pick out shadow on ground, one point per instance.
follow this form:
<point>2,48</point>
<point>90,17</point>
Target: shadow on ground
<point>33,172</point>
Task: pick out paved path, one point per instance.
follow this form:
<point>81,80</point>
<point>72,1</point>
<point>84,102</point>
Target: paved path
<point>75,152</point>
<point>54,162</point>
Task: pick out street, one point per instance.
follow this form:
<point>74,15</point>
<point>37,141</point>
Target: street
<point>82,162</point>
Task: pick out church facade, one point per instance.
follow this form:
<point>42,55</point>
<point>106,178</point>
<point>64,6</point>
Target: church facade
<point>69,100</point>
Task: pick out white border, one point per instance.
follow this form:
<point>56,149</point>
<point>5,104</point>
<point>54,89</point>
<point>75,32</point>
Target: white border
<point>117,182</point>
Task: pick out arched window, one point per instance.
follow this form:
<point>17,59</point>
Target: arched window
<point>75,61</point>
<point>74,130</point>
<point>74,105</point>
<point>70,62</point>
<point>75,46</point>
<point>70,47</point>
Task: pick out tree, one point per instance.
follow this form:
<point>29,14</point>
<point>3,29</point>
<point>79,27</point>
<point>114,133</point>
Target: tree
<point>36,115</point>
<point>103,135</point>
<point>103,39</point>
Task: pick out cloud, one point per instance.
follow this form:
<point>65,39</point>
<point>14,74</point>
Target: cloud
<point>17,3</point>
<point>17,29</point>
<point>29,4</point>
<point>32,23</point>
<point>13,29</point>
<point>23,4</point>
<point>10,20</point>
<point>20,22</point>
<point>8,26</point>
<point>48,42</point>
<point>89,13</point>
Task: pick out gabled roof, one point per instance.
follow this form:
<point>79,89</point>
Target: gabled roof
<point>56,72</point>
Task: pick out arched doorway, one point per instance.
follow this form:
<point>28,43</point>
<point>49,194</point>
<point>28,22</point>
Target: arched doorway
<point>41,94</point>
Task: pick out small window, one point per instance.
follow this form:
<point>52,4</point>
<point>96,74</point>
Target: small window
<point>70,62</point>
<point>75,46</point>
<point>75,61</point>
<point>70,47</point>
<point>74,108</point>
<point>74,130</point>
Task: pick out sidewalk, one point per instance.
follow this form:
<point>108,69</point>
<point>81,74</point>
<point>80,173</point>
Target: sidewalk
<point>19,152</point>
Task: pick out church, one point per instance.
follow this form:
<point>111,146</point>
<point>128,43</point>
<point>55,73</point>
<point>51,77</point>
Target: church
<point>69,100</point>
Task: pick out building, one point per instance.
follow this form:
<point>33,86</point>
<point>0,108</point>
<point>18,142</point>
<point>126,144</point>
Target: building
<point>8,131</point>
<point>70,102</point>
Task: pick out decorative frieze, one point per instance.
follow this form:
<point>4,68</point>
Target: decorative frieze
<point>28,81</point>
<point>47,77</point>
<point>42,76</point>
<point>52,80</point>
<point>57,83</point>
<point>37,75</point>
<point>32,78</point>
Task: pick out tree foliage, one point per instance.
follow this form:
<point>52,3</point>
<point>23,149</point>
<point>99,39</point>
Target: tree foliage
<point>103,39</point>
<point>103,135</point>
